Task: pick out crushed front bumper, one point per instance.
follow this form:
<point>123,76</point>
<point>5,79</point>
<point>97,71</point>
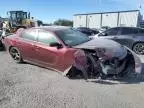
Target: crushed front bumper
<point>138,65</point>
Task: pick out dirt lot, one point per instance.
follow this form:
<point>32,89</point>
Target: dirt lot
<point>28,86</point>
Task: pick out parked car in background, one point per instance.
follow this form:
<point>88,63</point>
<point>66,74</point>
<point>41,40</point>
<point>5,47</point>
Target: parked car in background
<point>131,37</point>
<point>71,52</point>
<point>88,31</point>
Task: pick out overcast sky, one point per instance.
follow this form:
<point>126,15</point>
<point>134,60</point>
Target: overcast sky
<point>50,10</point>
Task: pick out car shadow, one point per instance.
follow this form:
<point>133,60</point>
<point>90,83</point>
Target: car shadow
<point>104,82</point>
<point>119,81</point>
<point>132,80</point>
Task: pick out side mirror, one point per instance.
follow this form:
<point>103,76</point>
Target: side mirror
<point>56,44</point>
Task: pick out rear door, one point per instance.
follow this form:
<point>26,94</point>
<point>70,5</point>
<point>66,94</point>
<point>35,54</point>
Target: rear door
<point>26,44</point>
<point>47,55</point>
<point>110,33</point>
<point>127,35</point>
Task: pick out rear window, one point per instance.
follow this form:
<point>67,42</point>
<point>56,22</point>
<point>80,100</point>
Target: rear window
<point>46,37</point>
<point>29,35</point>
<point>126,31</point>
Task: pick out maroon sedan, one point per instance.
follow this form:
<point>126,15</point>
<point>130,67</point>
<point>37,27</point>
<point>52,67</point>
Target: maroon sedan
<point>62,48</point>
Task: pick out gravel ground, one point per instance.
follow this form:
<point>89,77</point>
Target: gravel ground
<point>29,86</point>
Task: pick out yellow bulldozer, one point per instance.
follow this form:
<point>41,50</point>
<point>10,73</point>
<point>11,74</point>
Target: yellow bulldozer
<point>20,19</point>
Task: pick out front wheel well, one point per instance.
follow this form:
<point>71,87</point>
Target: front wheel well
<point>10,47</point>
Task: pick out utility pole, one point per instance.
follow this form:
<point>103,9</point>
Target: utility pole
<point>140,7</point>
<point>140,4</point>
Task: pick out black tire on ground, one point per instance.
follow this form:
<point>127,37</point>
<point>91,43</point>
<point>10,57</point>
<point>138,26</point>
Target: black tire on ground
<point>138,48</point>
<point>91,68</point>
<point>16,55</point>
<point>73,73</point>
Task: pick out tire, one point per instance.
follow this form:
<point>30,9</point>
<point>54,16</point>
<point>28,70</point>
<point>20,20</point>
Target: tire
<point>1,45</point>
<point>92,71</point>
<point>138,48</point>
<point>72,74</point>
<point>16,55</point>
<point>129,70</point>
<point>90,68</point>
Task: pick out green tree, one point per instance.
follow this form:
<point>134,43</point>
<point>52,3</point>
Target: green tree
<point>63,22</point>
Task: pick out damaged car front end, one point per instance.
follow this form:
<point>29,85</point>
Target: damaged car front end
<point>106,58</point>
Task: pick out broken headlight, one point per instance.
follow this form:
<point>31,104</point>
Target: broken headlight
<point>108,53</point>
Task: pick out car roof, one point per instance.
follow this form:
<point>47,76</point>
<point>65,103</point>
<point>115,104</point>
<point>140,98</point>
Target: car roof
<point>52,28</point>
<point>47,28</point>
<point>127,27</point>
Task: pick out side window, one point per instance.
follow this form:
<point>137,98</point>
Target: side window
<point>46,37</point>
<point>126,31</point>
<point>141,30</point>
<point>110,32</point>
<point>29,34</point>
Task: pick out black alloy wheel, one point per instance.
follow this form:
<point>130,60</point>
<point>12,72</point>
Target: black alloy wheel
<point>139,48</point>
<point>15,54</point>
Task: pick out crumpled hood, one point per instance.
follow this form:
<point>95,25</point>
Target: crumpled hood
<point>111,46</point>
